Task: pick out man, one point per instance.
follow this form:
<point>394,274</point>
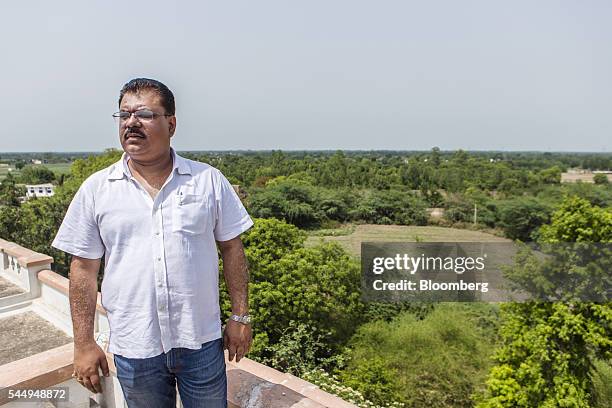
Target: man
<point>156,218</point>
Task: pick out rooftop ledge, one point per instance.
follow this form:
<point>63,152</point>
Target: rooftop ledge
<point>250,384</point>
<point>26,257</point>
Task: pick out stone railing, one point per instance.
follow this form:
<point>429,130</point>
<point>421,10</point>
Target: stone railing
<point>43,291</point>
<point>20,266</point>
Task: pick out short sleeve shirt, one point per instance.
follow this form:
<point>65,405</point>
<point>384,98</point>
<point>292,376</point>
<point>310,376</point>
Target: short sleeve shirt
<point>161,277</point>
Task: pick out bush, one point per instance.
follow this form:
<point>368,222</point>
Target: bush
<point>438,361</point>
<point>36,175</point>
<point>267,241</point>
<point>600,179</point>
<point>460,208</point>
<point>318,287</point>
<point>521,217</point>
<point>549,349</point>
<point>374,380</point>
<point>301,348</point>
<point>330,383</point>
<point>391,207</point>
<point>601,376</point>
<point>310,207</point>
<point>294,203</point>
<point>10,192</point>
<point>335,204</point>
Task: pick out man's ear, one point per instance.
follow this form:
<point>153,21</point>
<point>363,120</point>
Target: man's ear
<point>172,125</point>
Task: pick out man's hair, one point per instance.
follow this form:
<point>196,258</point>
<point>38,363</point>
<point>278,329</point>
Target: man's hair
<point>137,85</point>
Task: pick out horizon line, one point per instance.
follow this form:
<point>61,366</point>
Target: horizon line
<point>316,150</point>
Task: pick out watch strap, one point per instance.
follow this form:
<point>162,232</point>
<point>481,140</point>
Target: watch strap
<point>244,319</point>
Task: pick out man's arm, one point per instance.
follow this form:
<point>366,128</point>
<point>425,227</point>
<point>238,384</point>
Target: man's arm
<point>237,336</point>
<point>83,296</point>
<point>83,293</point>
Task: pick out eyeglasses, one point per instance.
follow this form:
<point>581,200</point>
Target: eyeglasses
<point>143,114</point>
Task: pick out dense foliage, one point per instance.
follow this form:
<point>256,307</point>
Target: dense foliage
<point>307,206</point>
<point>35,223</point>
<point>437,361</point>
<point>316,287</point>
<point>10,192</point>
<point>36,175</point>
<point>308,316</point>
<point>453,171</point>
<point>550,349</point>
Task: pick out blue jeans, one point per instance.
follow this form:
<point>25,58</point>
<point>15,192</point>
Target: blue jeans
<point>151,382</point>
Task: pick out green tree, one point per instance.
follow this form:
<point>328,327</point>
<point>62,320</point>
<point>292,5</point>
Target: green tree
<point>36,175</point>
<point>551,175</point>
<point>520,217</point>
<point>10,192</point>
<point>577,220</point>
<point>460,208</point>
<point>600,178</point>
<point>391,207</point>
<point>549,349</point>
<point>295,203</point>
<point>317,287</point>
<point>435,156</point>
<point>8,225</point>
<point>36,222</point>
<point>268,241</point>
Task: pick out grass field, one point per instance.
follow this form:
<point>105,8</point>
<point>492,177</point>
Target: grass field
<point>4,171</point>
<point>403,233</point>
<point>59,168</point>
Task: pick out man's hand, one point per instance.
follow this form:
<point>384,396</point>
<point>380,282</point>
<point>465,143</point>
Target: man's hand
<point>237,339</point>
<point>87,359</point>
<point>237,336</point>
<point>83,291</point>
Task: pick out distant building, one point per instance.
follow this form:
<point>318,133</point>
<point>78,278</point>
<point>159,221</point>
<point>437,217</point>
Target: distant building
<point>39,190</point>
<point>36,161</point>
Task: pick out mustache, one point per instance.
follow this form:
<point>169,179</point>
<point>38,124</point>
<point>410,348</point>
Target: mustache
<point>133,131</point>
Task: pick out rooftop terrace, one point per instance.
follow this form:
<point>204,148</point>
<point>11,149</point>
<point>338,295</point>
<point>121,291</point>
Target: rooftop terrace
<point>36,349</point>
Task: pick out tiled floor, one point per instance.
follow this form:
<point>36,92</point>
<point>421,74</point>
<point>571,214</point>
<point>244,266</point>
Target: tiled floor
<point>8,289</point>
<point>25,334</point>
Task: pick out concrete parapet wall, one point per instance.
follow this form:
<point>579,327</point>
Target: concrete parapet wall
<point>250,384</point>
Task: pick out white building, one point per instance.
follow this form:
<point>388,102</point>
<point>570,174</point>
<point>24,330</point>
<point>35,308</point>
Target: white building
<point>39,190</point>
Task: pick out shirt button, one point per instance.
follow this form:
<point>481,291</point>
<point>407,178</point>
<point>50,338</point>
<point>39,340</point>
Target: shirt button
<point>157,233</point>
<point>159,259</point>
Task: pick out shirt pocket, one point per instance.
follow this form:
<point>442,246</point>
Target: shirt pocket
<point>190,213</point>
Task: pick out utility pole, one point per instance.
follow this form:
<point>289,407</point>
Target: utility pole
<point>475,213</point>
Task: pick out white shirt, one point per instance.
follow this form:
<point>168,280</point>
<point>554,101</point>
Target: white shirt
<point>161,276</point>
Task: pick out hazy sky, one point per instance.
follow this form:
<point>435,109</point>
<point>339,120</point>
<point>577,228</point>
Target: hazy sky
<point>310,74</point>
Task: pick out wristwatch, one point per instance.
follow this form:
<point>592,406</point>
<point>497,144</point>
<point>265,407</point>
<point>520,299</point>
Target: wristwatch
<point>244,319</point>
